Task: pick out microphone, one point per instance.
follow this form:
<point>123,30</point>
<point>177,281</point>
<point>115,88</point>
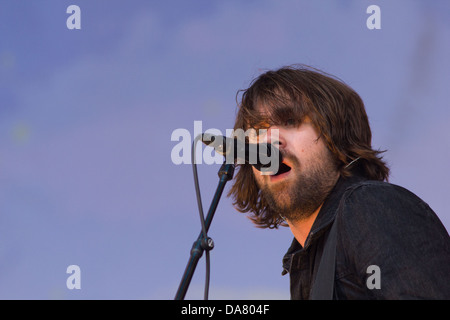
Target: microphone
<point>262,156</point>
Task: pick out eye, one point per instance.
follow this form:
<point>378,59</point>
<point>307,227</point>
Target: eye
<point>290,122</point>
<point>261,126</point>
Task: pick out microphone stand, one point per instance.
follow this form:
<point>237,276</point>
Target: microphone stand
<point>203,243</point>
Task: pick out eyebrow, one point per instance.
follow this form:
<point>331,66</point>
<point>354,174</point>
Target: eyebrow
<point>277,115</point>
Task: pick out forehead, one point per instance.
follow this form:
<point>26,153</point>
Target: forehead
<point>263,109</point>
<point>264,113</point>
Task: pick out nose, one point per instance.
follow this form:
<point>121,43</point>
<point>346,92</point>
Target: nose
<point>275,137</point>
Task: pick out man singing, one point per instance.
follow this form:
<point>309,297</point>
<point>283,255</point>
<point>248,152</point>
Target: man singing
<point>330,174</point>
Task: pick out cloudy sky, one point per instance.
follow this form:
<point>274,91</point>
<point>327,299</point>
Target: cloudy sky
<point>86,118</point>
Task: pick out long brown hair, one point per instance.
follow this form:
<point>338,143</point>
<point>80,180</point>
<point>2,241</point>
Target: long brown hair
<point>337,112</point>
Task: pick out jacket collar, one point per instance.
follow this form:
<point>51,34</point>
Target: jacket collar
<point>328,211</point>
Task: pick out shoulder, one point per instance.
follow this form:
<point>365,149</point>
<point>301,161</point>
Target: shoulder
<point>379,191</point>
<point>378,197</point>
<point>387,213</point>
<point>385,225</point>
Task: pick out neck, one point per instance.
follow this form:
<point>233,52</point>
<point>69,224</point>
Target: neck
<point>301,228</point>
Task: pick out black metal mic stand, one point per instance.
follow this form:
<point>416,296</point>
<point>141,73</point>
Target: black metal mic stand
<point>203,243</point>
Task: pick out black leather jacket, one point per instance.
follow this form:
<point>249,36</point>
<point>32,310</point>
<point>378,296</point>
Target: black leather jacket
<point>382,225</point>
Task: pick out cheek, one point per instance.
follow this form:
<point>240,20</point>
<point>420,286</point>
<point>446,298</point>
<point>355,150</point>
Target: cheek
<point>307,155</point>
<point>258,176</point>
<point>314,148</point>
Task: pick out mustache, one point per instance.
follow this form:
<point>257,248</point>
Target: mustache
<point>290,157</point>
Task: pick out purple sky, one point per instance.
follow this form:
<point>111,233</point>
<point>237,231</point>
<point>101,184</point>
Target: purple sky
<point>86,118</point>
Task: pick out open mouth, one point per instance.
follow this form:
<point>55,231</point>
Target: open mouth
<point>282,172</point>
<point>282,169</point>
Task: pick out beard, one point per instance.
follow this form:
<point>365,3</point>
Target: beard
<point>301,194</point>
